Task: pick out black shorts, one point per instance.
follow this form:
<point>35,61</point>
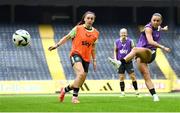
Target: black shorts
<point>126,67</point>
<point>77,58</point>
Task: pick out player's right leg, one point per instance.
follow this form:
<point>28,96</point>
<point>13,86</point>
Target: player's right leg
<point>143,53</point>
<point>62,94</point>
<point>114,62</point>
<point>63,91</point>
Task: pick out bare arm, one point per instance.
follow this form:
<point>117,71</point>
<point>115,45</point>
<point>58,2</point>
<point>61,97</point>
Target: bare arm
<point>132,44</point>
<point>61,42</point>
<point>93,52</point>
<point>150,40</point>
<point>64,39</point>
<point>115,51</point>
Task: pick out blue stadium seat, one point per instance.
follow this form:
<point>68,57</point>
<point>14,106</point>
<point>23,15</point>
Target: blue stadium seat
<point>22,63</point>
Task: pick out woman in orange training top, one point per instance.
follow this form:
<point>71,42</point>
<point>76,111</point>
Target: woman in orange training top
<point>84,38</point>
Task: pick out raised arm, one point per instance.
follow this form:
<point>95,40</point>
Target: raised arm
<point>148,32</point>
<point>163,28</point>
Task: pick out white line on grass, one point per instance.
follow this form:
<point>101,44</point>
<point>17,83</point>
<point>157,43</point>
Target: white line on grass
<point>128,95</point>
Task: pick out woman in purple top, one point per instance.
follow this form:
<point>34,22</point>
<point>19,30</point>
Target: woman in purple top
<point>122,47</point>
<point>145,52</point>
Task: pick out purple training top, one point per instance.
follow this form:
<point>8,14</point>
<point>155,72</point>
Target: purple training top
<point>142,42</point>
<point>123,48</point>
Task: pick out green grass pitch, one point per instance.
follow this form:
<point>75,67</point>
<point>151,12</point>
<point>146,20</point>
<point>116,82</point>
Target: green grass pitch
<point>169,102</point>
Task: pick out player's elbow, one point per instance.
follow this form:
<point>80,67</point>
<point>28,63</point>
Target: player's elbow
<point>151,42</point>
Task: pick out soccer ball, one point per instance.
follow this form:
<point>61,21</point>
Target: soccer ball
<point>21,38</point>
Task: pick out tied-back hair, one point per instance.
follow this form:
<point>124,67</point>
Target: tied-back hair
<point>82,19</point>
<point>157,14</point>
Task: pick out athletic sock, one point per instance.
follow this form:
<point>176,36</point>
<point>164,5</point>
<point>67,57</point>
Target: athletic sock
<point>75,92</point>
<point>152,91</point>
<point>122,86</point>
<point>67,89</point>
<point>135,85</point>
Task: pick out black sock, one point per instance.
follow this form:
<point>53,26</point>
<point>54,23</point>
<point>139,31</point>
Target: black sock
<point>75,92</point>
<point>123,61</point>
<point>135,85</point>
<point>67,89</point>
<point>122,85</point>
<point>152,91</point>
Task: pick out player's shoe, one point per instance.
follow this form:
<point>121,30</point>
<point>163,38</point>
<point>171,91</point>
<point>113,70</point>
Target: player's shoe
<point>62,95</point>
<point>138,95</point>
<point>75,100</point>
<point>155,98</point>
<point>122,94</point>
<point>114,62</point>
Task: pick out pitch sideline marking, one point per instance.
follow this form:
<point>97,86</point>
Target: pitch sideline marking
<point>98,95</point>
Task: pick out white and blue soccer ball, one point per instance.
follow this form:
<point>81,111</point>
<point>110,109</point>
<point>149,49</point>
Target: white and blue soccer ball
<point>21,38</point>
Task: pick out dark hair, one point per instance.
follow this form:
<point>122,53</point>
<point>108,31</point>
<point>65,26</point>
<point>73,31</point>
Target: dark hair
<point>82,19</point>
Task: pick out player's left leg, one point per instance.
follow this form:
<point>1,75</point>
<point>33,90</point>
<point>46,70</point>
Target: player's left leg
<point>81,74</point>
<point>143,68</point>
<point>79,80</point>
<point>130,70</point>
<point>134,83</point>
<point>122,84</point>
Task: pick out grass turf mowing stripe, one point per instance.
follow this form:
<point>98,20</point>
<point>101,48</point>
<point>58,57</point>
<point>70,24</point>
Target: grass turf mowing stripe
<point>92,95</point>
<point>89,104</point>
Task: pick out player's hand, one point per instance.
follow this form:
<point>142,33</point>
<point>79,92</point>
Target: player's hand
<point>165,28</point>
<point>52,47</point>
<point>167,49</point>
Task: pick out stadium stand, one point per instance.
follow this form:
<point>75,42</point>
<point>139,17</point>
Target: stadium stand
<point>29,63</point>
<point>172,40</point>
<point>22,63</point>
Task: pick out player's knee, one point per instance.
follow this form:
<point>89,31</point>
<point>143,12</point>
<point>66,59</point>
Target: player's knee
<point>134,49</point>
<point>133,78</point>
<point>121,78</point>
<point>143,71</point>
<point>80,73</point>
<point>82,76</point>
